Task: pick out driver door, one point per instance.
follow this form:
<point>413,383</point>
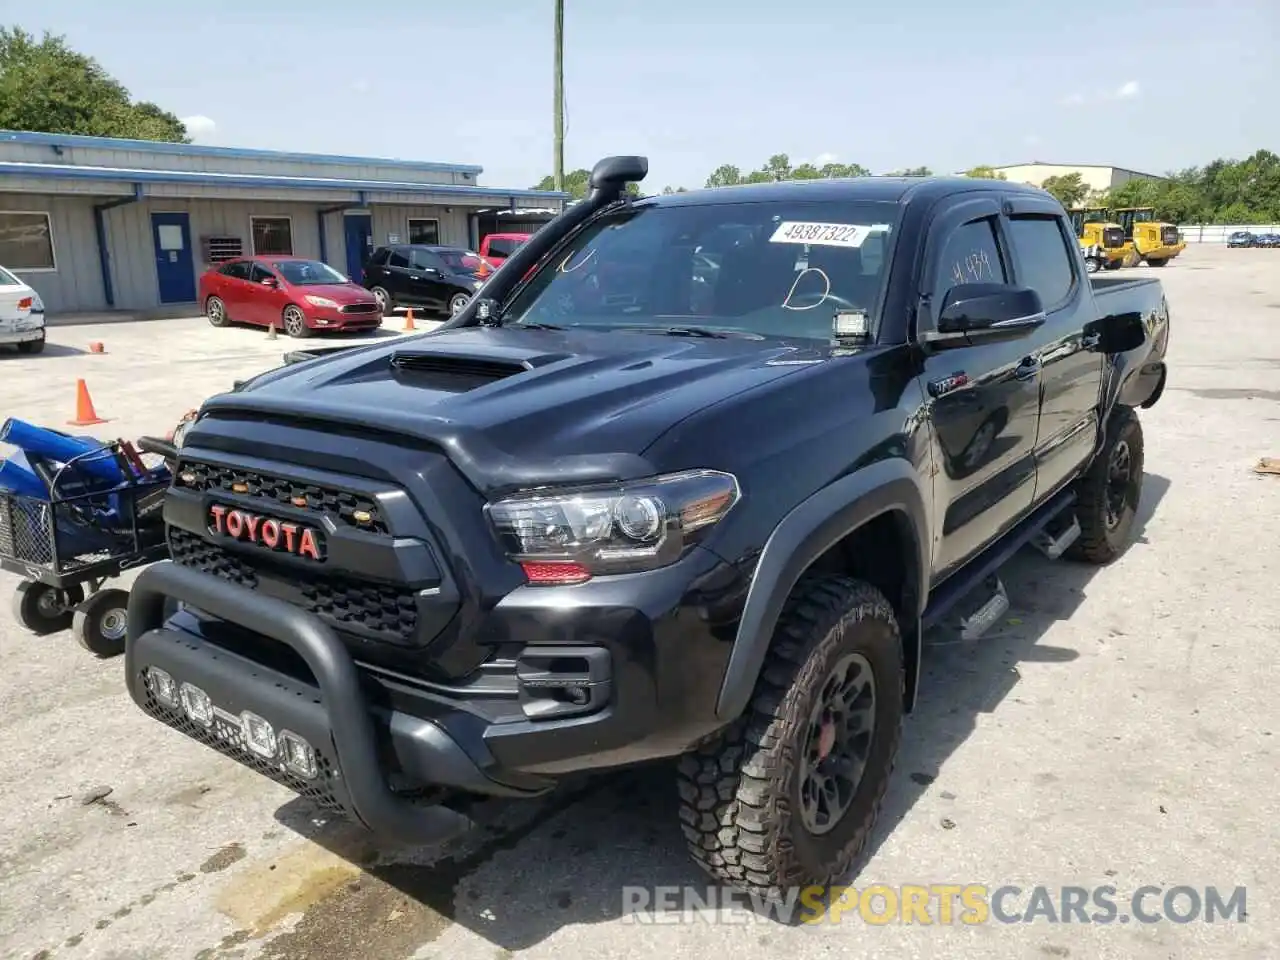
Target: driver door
<point>983,400</point>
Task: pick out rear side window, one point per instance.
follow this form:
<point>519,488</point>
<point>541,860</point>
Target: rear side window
<point>397,259</point>
<point>379,257</point>
<point>971,255</point>
<point>259,273</point>
<point>503,246</point>
<point>238,270</point>
<point>1044,259</point>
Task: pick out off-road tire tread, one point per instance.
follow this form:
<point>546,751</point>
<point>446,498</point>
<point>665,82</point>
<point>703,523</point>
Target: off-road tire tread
<point>733,811</point>
<point>1094,545</point>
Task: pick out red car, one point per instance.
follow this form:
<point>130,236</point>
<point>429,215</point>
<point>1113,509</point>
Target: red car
<point>302,296</point>
<point>496,247</point>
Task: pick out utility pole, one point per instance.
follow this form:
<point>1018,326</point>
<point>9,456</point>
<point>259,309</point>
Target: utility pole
<point>559,108</point>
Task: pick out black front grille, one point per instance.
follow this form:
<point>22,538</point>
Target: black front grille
<point>229,741</point>
<point>360,308</point>
<point>388,613</point>
<point>1169,236</point>
<point>353,509</point>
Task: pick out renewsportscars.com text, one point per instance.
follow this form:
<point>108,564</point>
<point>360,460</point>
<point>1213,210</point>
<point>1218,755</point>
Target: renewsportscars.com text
<point>941,904</point>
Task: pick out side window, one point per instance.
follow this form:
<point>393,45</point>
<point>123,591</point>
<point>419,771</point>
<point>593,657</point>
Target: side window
<point>971,255</point>
<point>423,260</point>
<point>258,273</point>
<point>379,257</point>
<point>1045,262</point>
<point>237,271</point>
<point>397,259</point>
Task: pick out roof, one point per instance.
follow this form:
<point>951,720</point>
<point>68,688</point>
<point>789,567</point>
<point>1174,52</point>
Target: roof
<point>62,171</point>
<point>859,189</point>
<point>1082,166</point>
<point>230,153</point>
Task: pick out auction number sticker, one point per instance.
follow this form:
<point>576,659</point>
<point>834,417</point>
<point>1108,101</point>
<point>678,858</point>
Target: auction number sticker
<point>823,234</point>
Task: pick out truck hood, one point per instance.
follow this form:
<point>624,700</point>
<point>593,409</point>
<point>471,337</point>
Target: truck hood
<point>518,408</point>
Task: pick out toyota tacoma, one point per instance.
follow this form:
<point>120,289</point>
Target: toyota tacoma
<point>686,481</point>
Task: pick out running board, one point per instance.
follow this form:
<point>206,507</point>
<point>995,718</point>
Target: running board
<point>1054,547</point>
<point>970,577</point>
<point>974,626</point>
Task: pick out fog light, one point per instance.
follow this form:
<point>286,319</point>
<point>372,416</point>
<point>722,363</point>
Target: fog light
<point>258,735</point>
<point>196,704</point>
<point>298,755</point>
<point>162,687</point>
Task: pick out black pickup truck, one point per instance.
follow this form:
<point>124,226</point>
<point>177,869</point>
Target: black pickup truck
<point>686,480</point>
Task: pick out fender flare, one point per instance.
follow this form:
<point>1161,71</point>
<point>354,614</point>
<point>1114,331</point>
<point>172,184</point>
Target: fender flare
<point>803,535</point>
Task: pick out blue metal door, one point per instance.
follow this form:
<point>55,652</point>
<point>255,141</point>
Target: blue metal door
<point>175,266</point>
<point>359,234</point>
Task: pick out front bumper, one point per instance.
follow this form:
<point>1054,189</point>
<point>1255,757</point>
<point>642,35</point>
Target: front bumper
<point>328,318</point>
<point>349,738</point>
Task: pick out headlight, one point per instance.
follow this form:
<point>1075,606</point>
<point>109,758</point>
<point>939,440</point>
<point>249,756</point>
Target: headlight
<point>321,302</point>
<point>568,535</point>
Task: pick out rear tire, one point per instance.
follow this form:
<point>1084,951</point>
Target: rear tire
<point>457,302</point>
<point>43,609</point>
<point>1109,492</point>
<point>752,801</point>
<point>32,346</point>
<point>215,312</point>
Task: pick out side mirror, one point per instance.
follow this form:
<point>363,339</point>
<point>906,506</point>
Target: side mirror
<point>1115,333</point>
<point>270,282</point>
<point>980,312</point>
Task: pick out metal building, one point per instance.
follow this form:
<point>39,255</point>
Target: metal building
<point>96,224</point>
<point>1096,177</point>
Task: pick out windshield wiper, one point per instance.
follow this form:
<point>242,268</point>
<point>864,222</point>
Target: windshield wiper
<point>679,331</point>
<point>534,325</point>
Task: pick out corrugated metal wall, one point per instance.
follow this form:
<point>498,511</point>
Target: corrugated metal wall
<point>151,160</point>
<point>76,284</point>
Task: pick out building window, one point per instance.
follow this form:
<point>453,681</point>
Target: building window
<point>272,236</point>
<point>423,230</point>
<point>26,241</point>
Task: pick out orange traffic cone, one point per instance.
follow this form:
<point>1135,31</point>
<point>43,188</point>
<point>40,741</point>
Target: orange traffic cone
<point>271,331</point>
<point>85,414</point>
<point>96,346</point>
<point>408,320</point>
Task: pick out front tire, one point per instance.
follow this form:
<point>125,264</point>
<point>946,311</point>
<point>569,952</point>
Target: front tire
<point>788,795</point>
<point>101,623</point>
<point>1109,491</point>
<point>457,302</point>
<point>295,324</point>
<point>385,302</point>
<point>1092,264</point>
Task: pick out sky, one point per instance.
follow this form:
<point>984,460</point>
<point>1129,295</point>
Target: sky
<point>693,84</point>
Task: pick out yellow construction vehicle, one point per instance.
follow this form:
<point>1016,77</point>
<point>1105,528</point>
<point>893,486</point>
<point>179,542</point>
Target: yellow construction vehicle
<point>1154,241</point>
<point>1101,240</point>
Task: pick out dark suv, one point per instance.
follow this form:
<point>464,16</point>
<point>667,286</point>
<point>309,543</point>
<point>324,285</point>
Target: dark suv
<point>425,275</point>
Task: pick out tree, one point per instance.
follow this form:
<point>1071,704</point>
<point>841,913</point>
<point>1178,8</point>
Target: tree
<point>778,167</point>
<point>1070,189</point>
<point>47,87</point>
<point>986,173</point>
<point>911,172</point>
<point>577,184</point>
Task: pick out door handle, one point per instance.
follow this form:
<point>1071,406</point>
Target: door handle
<point>412,277</point>
<point>1028,369</point>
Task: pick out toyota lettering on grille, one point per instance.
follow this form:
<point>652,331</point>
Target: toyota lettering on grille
<point>268,532</point>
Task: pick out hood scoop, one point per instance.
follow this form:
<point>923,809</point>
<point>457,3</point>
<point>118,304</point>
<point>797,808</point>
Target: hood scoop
<point>453,372</point>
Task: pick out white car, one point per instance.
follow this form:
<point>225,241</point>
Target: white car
<point>21,314</point>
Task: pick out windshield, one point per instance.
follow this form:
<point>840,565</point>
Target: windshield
<point>784,269</point>
<point>464,261</point>
<point>504,246</point>
<point>304,273</point>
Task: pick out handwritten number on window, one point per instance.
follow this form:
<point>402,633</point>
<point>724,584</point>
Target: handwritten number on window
<point>974,267</point>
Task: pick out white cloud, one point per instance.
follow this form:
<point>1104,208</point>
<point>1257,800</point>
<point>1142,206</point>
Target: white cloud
<point>822,159</point>
<point>361,86</point>
<point>200,129</point>
<point>1126,91</point>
